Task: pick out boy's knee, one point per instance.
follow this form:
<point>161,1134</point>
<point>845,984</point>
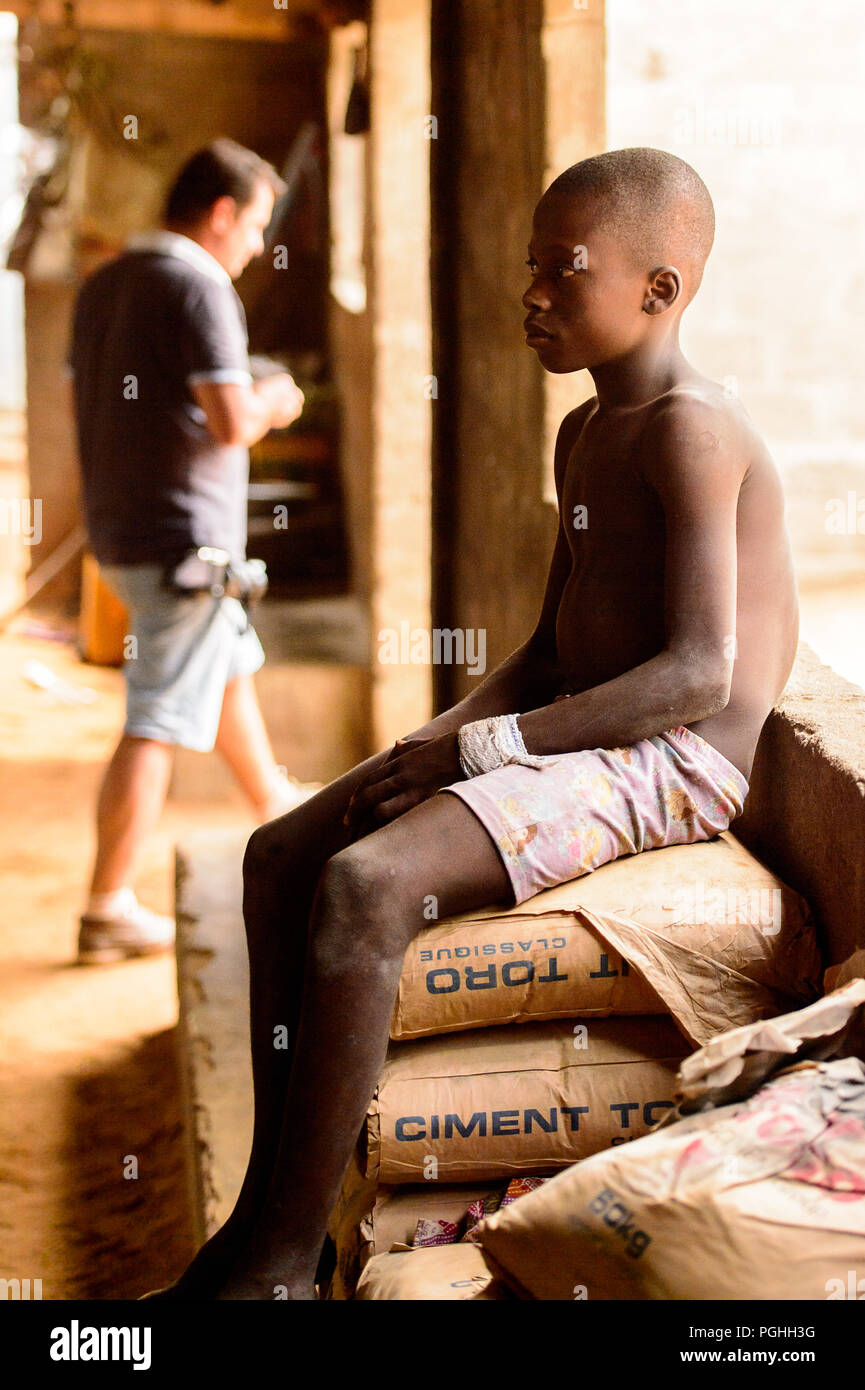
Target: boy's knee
<point>363,912</point>
<point>265,851</point>
<point>357,879</point>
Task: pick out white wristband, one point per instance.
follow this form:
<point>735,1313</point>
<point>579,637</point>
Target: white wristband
<point>490,743</point>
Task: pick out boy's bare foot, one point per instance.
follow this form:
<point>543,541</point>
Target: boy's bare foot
<point>265,1273</point>
<point>205,1275</point>
<point>214,1285</point>
<point>269,1269</point>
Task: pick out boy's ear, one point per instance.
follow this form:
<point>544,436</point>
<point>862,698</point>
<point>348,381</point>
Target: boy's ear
<point>663,290</point>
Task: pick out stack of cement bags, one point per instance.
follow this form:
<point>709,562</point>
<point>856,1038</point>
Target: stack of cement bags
<point>756,1190</point>
<point>606,984</point>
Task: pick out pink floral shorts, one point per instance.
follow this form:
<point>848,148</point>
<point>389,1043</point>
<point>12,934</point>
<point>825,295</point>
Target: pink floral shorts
<point>580,810</point>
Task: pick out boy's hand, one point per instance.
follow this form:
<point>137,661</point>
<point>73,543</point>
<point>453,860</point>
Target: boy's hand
<point>414,770</point>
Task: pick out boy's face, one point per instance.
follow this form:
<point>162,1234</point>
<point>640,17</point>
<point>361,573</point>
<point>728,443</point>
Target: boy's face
<point>585,291</point>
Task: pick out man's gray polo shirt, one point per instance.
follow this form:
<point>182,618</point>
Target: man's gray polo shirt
<point>147,325</point>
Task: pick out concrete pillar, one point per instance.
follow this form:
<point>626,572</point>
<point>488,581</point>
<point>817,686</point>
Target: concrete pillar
<point>51,445</point>
<point>573,43</point>
<point>350,315</point>
<point>495,535</point>
<point>400,597</point>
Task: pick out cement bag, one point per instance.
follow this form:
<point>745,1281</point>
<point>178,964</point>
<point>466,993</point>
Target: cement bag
<point>410,1216</point>
<point>390,1217</point>
<point>733,1065</point>
<point>853,968</point>
<point>443,1273</point>
<point>703,931</point>
<point>759,1198</point>
<point>356,1196</point>
<point>762,1199</point>
<point>526,1099</point>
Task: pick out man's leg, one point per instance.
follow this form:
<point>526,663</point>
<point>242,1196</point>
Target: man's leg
<point>368,906</point>
<point>130,801</point>
<point>243,742</point>
<point>114,926</point>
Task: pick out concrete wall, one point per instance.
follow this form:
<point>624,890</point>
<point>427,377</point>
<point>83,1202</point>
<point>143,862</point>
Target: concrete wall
<point>768,105</point>
<point>805,810</point>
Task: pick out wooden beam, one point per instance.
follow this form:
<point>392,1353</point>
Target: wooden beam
<point>237,19</point>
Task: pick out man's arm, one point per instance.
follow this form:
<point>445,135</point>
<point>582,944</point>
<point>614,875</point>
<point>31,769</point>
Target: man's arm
<point>243,414</point>
<point>212,355</point>
<point>697,474</point>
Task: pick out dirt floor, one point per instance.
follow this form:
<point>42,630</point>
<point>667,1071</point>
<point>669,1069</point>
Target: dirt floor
<point>89,1077</point>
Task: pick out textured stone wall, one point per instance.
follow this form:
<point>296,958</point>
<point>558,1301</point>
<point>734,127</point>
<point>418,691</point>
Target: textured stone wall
<point>805,810</point>
<point>767,103</point>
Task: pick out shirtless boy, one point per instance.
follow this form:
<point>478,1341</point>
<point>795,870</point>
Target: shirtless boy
<point>667,633</point>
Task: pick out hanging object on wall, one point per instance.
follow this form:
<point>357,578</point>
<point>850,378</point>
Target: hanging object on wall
<point>357,110</point>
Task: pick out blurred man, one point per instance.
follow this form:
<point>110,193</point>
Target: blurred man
<point>166,409</point>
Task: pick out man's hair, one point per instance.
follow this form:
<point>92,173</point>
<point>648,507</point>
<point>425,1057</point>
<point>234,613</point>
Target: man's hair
<point>657,204</point>
<point>221,169</point>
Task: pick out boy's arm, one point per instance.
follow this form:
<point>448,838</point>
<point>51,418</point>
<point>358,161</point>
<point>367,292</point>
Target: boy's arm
<point>697,473</point>
<point>530,673</point>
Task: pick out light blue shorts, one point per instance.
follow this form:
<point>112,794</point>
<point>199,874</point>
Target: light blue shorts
<point>186,649</point>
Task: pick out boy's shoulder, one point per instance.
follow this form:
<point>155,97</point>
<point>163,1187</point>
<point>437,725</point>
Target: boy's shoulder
<point>569,432</point>
<point>685,405</point>
<point>701,420</point>
<point>695,403</point>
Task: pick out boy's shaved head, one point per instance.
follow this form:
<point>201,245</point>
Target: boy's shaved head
<point>655,202</point>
